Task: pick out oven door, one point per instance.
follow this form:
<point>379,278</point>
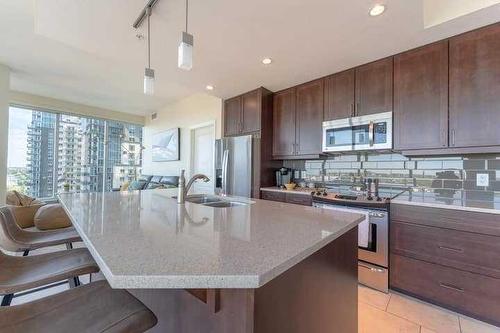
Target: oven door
<point>373,233</point>
<point>377,251</point>
<point>358,133</point>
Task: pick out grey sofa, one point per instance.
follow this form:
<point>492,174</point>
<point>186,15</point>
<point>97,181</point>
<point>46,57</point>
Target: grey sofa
<point>152,182</point>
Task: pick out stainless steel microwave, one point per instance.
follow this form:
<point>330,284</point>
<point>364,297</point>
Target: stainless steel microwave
<point>370,132</point>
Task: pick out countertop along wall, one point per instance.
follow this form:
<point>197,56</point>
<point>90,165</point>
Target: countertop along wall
<point>189,112</point>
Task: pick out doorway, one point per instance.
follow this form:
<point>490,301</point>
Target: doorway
<point>202,156</point>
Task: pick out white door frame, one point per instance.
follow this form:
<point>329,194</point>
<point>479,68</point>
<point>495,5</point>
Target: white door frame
<point>191,147</point>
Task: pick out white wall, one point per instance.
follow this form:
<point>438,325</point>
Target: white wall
<point>4,129</point>
<point>191,111</point>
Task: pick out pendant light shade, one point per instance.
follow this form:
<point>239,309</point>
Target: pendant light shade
<point>185,50</point>
<point>149,81</point>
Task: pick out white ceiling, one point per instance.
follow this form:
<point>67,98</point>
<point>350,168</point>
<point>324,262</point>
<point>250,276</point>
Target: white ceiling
<point>87,52</point>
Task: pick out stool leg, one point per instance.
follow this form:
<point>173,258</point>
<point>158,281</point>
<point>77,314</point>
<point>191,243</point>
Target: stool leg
<point>73,282</point>
<point>7,299</point>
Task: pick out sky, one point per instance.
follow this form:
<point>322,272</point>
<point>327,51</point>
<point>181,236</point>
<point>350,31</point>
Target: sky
<point>19,119</point>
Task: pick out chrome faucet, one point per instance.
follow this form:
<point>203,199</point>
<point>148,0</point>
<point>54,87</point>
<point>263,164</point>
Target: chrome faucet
<point>184,189</point>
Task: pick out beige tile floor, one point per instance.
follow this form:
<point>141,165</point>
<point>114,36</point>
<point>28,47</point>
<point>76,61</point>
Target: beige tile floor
<point>393,312</point>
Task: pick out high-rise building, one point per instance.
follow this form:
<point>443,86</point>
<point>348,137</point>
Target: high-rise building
<point>124,153</point>
<point>92,155</point>
<point>40,154</point>
<point>69,153</point>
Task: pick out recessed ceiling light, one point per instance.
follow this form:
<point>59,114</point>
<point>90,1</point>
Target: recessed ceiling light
<point>209,87</point>
<point>267,61</point>
<point>377,10</point>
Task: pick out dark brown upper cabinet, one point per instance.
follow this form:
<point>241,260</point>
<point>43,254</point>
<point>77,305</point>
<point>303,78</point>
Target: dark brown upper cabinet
<point>339,95</point>
<point>475,88</point>
<point>309,118</point>
<point>421,98</point>
<point>298,115</point>
<point>374,87</point>
<point>232,116</point>
<point>250,111</point>
<point>284,123</point>
<point>243,114</point>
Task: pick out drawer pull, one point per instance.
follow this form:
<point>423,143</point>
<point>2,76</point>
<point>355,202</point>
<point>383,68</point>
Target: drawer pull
<point>451,249</point>
<point>448,286</point>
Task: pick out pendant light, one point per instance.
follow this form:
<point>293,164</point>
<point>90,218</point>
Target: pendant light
<point>185,50</point>
<point>149,74</point>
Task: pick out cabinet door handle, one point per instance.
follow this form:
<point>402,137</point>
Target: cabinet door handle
<point>352,109</point>
<point>449,286</point>
<point>452,249</point>
<point>453,137</point>
<point>371,133</point>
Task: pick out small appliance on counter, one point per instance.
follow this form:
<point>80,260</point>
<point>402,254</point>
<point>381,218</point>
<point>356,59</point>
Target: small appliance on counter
<point>283,176</point>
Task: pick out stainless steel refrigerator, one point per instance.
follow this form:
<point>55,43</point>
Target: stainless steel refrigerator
<point>233,166</point>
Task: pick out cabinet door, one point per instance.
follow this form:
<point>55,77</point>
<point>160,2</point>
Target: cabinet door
<point>475,88</point>
<point>374,87</point>
<point>284,123</point>
<point>251,106</point>
<point>339,95</point>
<point>421,98</point>
<point>309,116</point>
<point>232,116</point>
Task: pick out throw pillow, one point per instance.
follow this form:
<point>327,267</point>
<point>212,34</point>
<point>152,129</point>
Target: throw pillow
<point>50,217</point>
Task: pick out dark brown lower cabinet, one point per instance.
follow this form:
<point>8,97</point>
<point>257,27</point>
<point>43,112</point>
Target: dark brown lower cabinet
<point>472,294</point>
<point>273,196</point>
<point>298,199</point>
<point>447,257</point>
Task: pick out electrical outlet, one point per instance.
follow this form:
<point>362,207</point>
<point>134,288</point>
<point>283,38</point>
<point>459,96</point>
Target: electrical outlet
<point>482,179</point>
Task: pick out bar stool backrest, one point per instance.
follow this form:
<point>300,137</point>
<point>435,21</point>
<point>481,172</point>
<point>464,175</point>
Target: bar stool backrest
<point>10,232</point>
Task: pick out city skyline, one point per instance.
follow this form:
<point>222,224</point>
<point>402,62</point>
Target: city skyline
<point>51,152</point>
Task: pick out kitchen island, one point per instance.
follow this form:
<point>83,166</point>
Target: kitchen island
<point>258,266</point>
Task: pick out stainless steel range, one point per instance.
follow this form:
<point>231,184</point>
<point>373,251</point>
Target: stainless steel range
<point>373,233</point>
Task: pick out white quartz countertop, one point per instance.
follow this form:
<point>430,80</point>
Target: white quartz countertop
<point>297,190</point>
<point>146,240</point>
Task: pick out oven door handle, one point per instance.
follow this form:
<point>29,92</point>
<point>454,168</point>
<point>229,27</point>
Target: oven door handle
<point>371,268</point>
<point>371,133</point>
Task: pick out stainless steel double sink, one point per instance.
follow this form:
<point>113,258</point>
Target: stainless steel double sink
<point>213,201</point>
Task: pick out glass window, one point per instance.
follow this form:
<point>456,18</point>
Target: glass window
<point>51,152</point>
<point>31,159</point>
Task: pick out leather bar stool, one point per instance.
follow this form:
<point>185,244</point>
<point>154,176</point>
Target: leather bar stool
<point>18,274</point>
<point>94,307</point>
<point>15,239</point>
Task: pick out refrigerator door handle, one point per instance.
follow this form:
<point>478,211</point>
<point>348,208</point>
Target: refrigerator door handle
<point>225,158</point>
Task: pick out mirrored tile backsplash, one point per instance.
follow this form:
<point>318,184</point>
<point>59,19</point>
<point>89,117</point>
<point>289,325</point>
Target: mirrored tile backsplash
<point>395,170</point>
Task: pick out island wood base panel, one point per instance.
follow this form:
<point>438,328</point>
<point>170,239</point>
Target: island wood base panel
<point>317,295</point>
